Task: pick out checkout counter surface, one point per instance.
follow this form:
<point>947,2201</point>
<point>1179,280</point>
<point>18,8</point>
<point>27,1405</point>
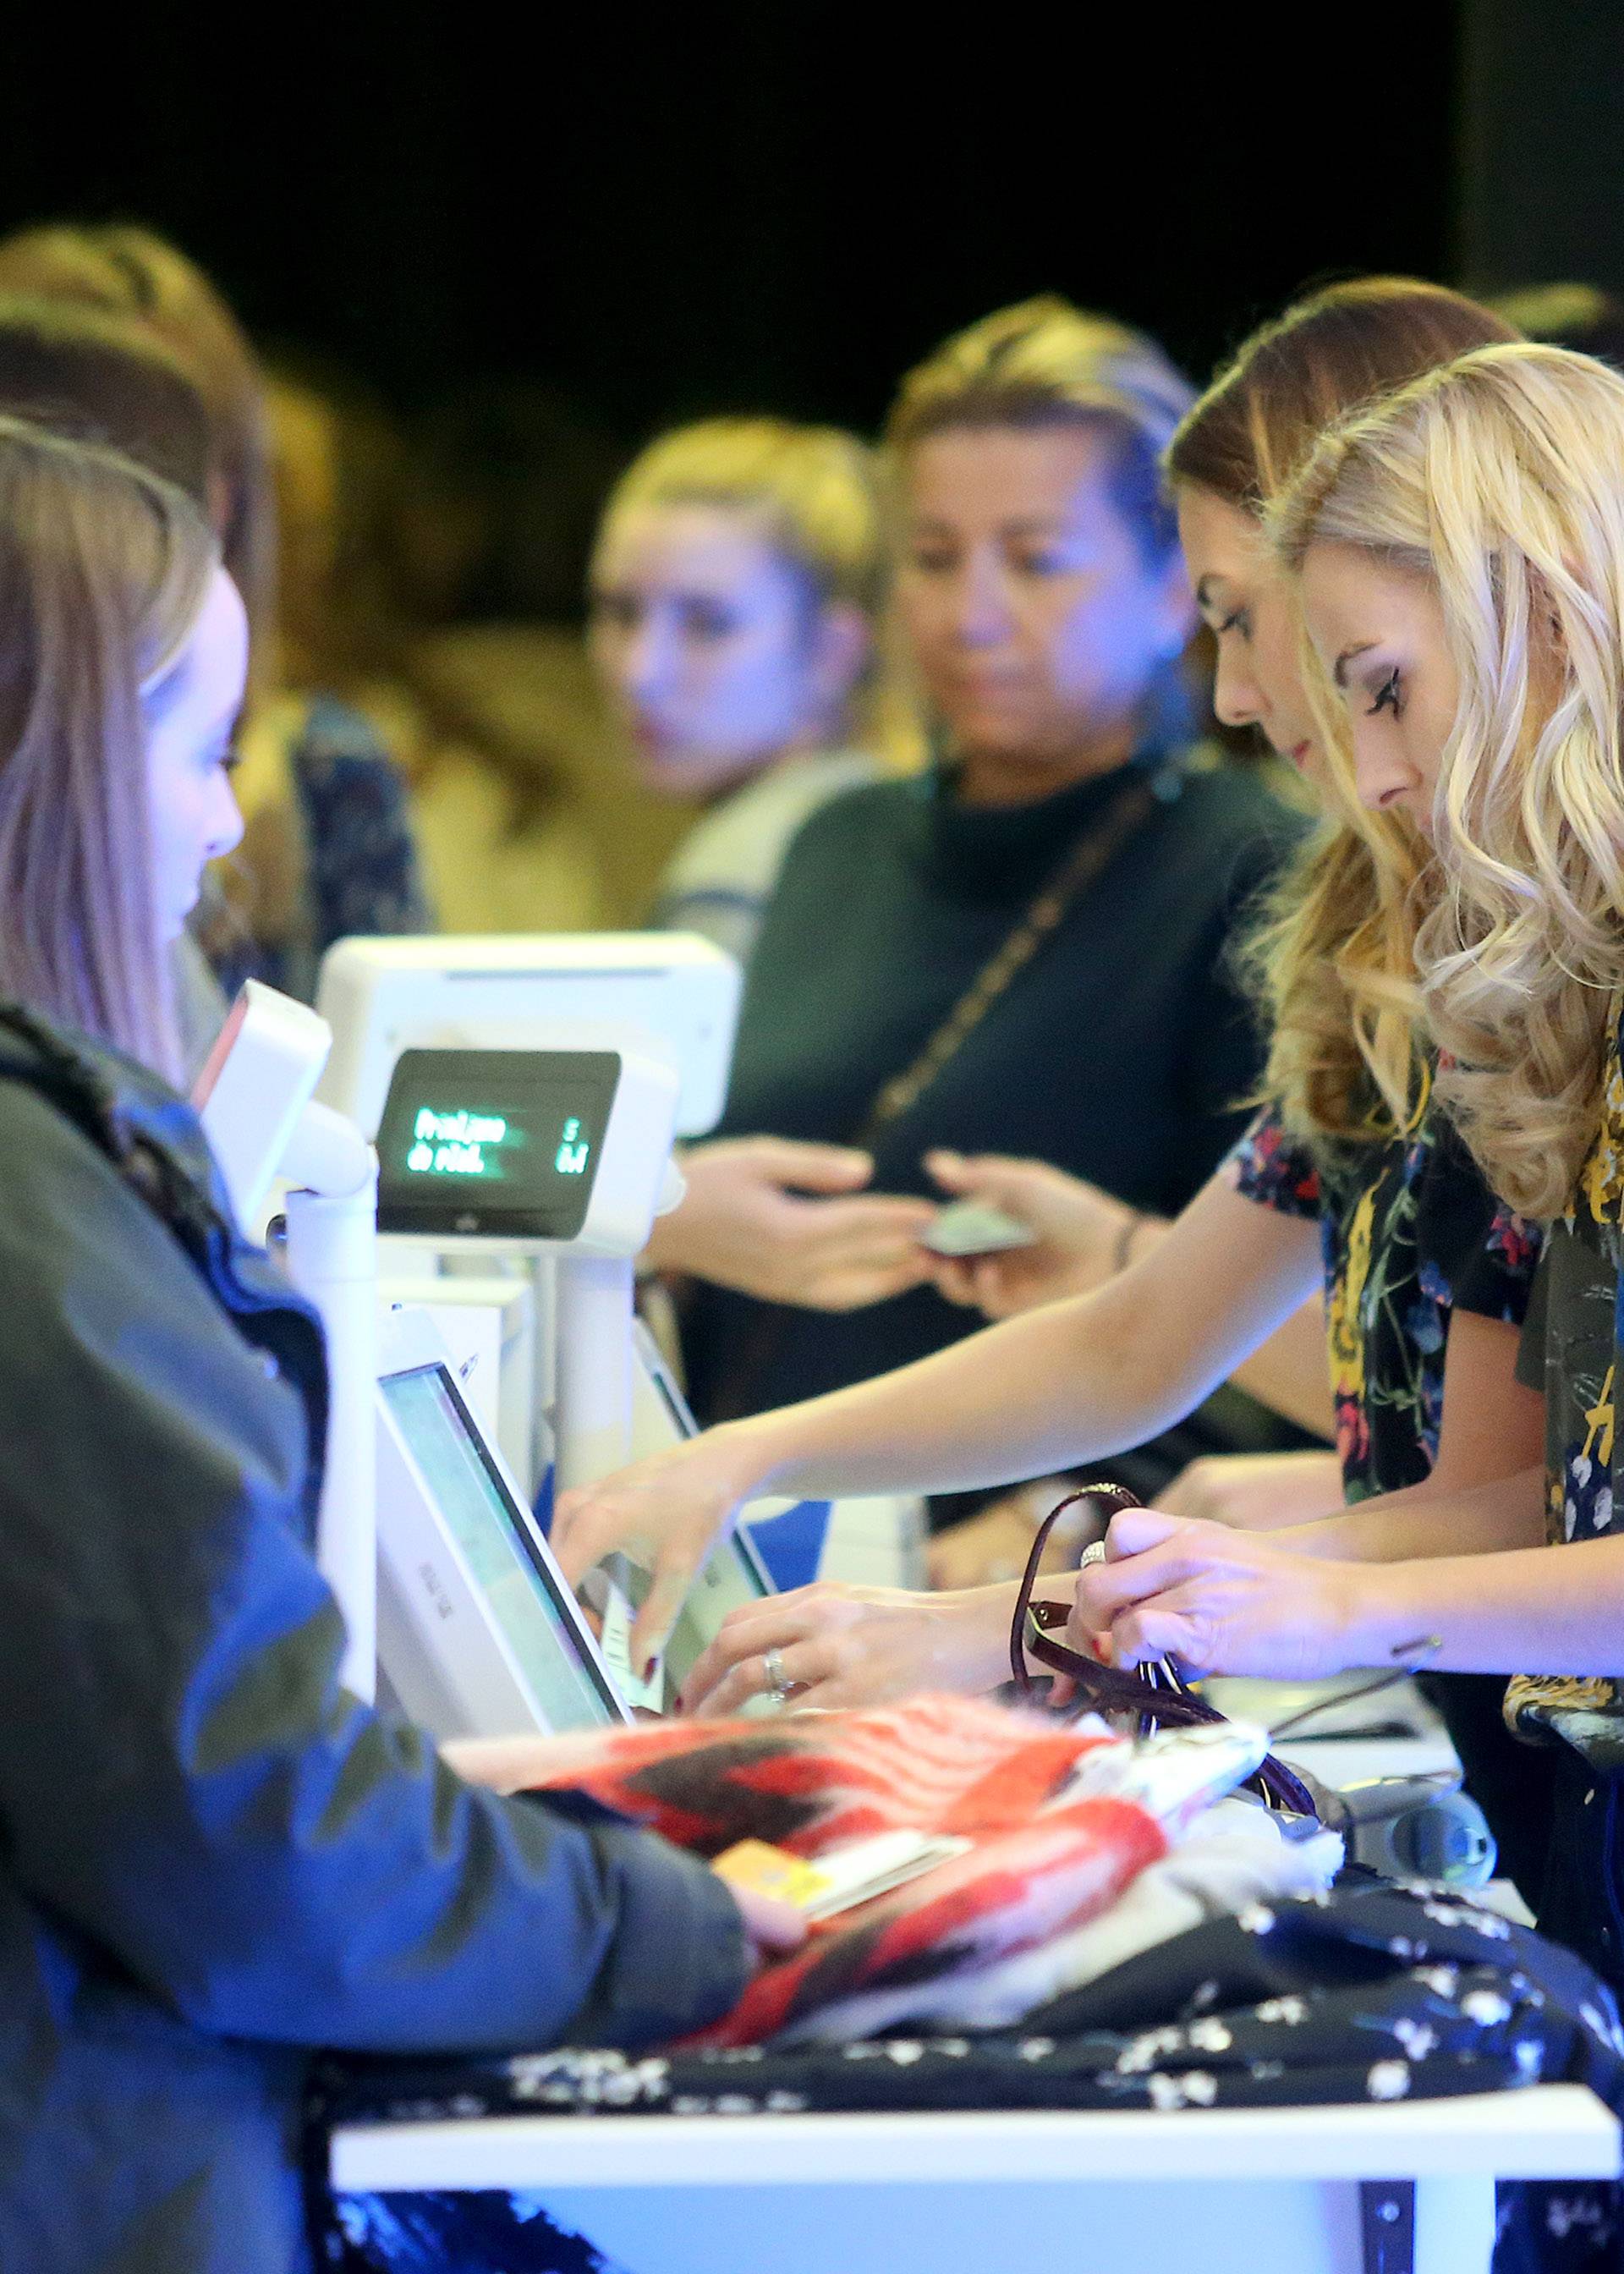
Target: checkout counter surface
<point>1218,2191</point>
<point>1405,2189</point>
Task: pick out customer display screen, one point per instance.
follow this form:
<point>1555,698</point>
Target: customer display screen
<point>526,1599</point>
<point>503,1142</point>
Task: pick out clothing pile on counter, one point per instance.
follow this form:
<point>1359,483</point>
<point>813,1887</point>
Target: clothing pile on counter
<point>1369,1993</point>
<point>1079,1846</point>
<point>1118,1934</point>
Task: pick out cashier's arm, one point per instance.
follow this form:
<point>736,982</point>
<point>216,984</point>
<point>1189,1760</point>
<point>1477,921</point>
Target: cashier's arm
<point>1039,1394</point>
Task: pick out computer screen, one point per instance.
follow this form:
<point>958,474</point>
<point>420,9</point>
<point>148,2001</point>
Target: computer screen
<point>526,1599</point>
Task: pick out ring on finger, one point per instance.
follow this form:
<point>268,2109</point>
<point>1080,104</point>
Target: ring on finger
<point>779,1687</point>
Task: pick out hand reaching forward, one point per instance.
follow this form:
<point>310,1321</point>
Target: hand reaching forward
<point>789,1222</point>
<point>843,1646</point>
<point>771,1928</point>
<point>1215,1600</point>
<point>1079,1232</point>
<point>668,1510</point>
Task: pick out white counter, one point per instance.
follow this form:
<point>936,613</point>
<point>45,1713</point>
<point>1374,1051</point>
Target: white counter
<point>1213,2191</point>
<point>1204,2191</point>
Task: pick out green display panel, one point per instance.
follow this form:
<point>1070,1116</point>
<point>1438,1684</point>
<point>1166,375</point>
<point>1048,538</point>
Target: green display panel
<point>502,1143</point>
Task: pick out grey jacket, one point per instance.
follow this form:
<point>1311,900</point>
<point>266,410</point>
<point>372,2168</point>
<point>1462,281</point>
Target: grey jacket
<point>212,1858</point>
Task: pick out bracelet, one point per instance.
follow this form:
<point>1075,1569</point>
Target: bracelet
<point>1124,1240</point>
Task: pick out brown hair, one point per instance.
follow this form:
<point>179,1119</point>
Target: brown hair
<point>1331,957</point>
<point>1329,352</point>
<point>102,571</point>
<point>133,272</point>
<point>87,372</point>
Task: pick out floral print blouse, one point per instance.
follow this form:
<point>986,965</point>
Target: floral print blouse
<point>1570,1349</point>
<point>1411,1232</point>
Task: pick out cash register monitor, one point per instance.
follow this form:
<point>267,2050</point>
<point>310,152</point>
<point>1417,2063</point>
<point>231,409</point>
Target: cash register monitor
<point>479,1635</point>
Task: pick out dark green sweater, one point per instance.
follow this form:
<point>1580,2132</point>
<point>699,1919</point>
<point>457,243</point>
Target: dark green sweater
<point>1118,1053</point>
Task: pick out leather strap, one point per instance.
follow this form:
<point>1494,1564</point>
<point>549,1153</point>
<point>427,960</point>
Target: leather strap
<point>1152,1695</point>
<point>1043,918</point>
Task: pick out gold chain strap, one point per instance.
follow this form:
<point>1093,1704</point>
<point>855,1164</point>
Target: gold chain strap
<point>1041,919</point>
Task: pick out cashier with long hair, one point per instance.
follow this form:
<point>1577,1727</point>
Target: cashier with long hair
<point>212,1857</point>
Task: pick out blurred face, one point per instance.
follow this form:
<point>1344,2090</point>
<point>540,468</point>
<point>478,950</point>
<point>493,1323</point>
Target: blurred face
<point>714,651</point>
<point>1380,632</point>
<point>189,717</point>
<point>1252,611</point>
<point>1037,621</point>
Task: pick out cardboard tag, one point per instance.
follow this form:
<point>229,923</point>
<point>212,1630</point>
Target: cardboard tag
<point>854,1873</point>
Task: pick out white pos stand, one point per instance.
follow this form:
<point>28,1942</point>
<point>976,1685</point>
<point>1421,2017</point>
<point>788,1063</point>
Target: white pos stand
<point>254,1097</point>
<point>656,1001</point>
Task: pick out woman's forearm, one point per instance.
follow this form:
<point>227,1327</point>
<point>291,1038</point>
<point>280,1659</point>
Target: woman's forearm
<point>1026,1398</point>
<point>1532,1610</point>
<point>1054,1387</point>
<point>1423,1523</point>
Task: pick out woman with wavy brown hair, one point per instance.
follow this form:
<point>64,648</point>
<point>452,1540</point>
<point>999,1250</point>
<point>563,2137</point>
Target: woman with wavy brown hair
<point>1459,551</point>
<point>1426,1275</point>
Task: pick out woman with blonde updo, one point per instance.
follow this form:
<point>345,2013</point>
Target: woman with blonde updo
<point>734,592</point>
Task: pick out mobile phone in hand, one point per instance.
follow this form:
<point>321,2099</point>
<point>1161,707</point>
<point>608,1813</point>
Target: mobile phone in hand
<point>975,1228</point>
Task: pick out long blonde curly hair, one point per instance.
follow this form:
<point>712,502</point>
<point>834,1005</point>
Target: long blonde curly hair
<point>1329,958</point>
<point>1497,479</point>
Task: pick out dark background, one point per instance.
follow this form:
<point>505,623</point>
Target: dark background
<point>764,205</point>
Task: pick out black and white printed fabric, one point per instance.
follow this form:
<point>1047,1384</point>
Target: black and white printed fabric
<point>1374,1992</point>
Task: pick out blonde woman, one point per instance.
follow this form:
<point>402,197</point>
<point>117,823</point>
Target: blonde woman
<point>1462,558</point>
<point>734,591</point>
<point>176,1933</point>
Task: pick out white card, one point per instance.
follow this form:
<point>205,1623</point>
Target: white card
<point>616,1645</point>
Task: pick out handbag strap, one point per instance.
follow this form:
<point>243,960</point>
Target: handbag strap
<point>1155,1695</point>
<point>1041,919</point>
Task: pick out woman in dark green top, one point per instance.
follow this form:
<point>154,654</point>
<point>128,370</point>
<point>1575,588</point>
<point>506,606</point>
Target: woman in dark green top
<point>1046,606</point>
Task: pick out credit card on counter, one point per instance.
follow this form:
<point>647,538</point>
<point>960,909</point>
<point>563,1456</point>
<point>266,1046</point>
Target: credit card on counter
<point>843,1877</point>
<point>975,1228</point>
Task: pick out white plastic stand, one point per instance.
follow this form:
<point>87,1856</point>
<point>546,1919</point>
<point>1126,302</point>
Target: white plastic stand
<point>332,1259</point>
<point>592,1359</point>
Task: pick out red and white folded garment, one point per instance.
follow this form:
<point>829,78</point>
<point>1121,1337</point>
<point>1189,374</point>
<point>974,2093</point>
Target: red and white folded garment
<point>1045,1854</point>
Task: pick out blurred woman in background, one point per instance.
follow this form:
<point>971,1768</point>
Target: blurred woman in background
<point>328,846</point>
<point>1028,948</point>
<point>734,591</point>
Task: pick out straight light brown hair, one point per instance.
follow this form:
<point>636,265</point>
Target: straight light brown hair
<point>104,569</point>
